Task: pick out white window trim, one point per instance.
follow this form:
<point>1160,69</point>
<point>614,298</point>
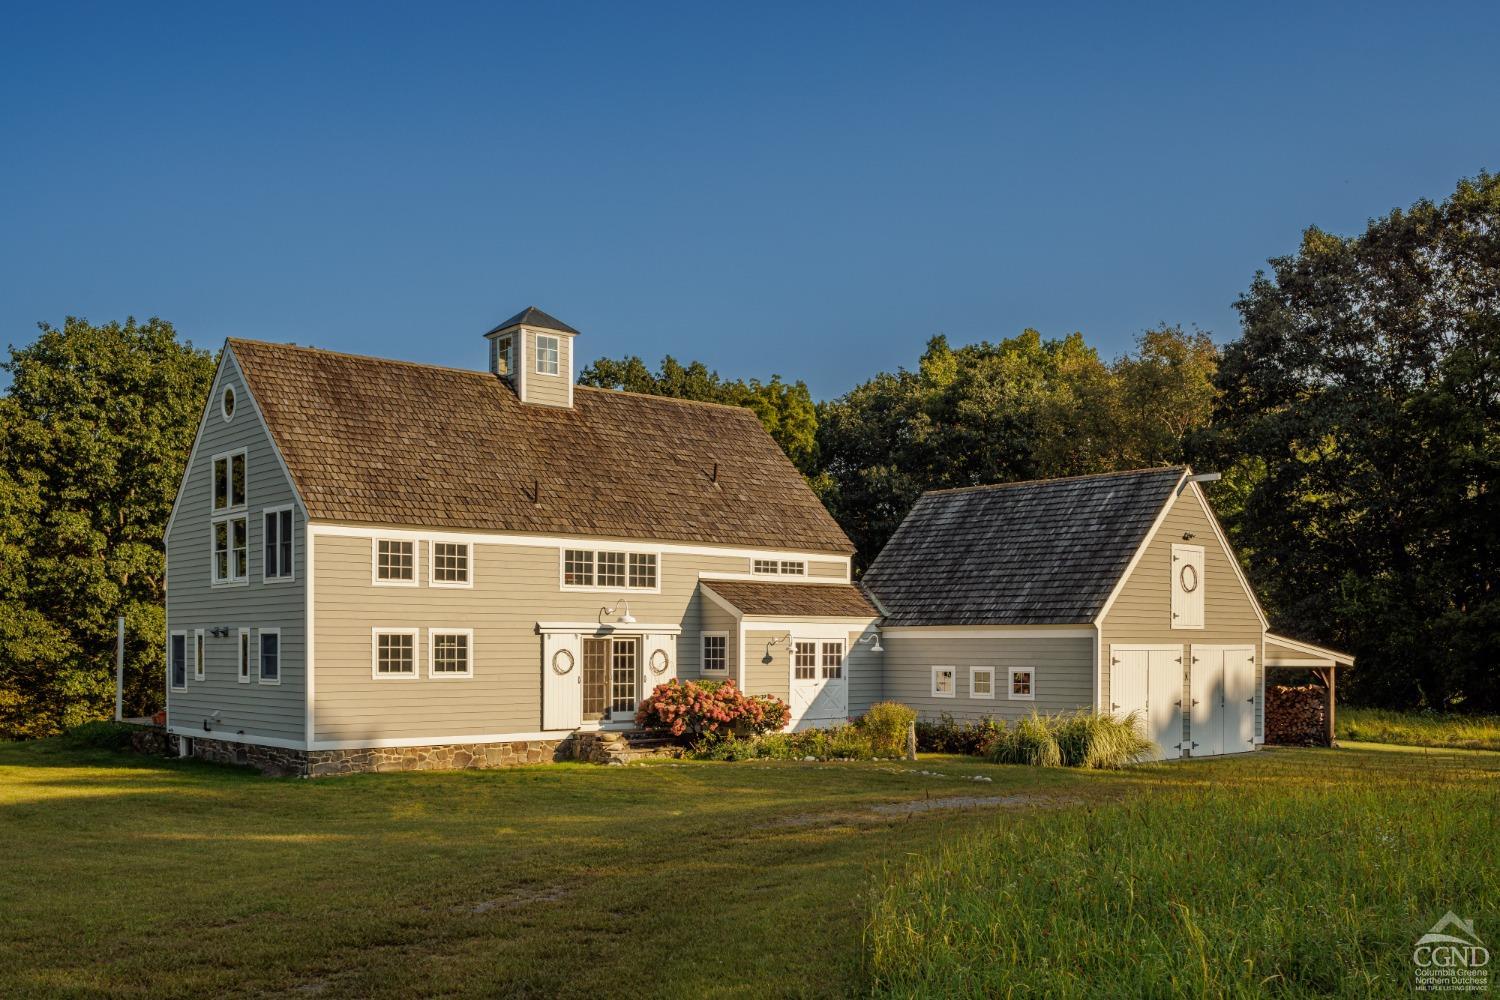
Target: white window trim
<point>536,353</point>
<point>416,562</point>
<point>213,483</point>
<point>242,655</point>
<point>416,653</point>
<point>594,588</point>
<point>953,688</point>
<point>290,576</point>
<point>432,580</point>
<point>213,566</point>
<point>432,636</point>
<point>703,655</point>
<point>975,694</point>
<point>260,653</point>
<point>200,653</point>
<point>1010,684</point>
<point>778,572</point>
<point>224,395</point>
<point>171,674</point>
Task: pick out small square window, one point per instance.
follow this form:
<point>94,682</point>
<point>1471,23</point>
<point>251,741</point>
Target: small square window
<point>395,561</point>
<point>1021,684</point>
<point>396,653</point>
<point>805,660</point>
<point>548,353</point>
<point>611,569</point>
<point>981,682</point>
<point>643,570</point>
<point>833,660</point>
<point>450,563</point>
<point>578,568</point>
<point>452,652</point>
<point>943,682</point>
<point>791,568</point>
<point>715,654</point>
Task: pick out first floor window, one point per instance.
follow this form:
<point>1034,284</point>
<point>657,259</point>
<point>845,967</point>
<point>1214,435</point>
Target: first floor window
<point>805,660</point>
<point>981,682</point>
<point>278,544</point>
<point>270,655</point>
<point>450,562</point>
<point>1020,684</point>
<point>942,682</point>
<point>244,656</point>
<point>715,654</point>
<point>177,654</point>
<point>833,660</point>
<point>451,653</point>
<point>396,653</point>
<point>395,561</point>
<point>199,666</point>
<point>231,557</point>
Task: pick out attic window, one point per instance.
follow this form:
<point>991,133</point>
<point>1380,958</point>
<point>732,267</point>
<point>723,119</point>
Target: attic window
<point>226,404</point>
<point>778,567</point>
<point>548,353</point>
<point>505,355</point>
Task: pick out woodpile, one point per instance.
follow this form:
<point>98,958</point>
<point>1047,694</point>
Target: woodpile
<point>1297,716</point>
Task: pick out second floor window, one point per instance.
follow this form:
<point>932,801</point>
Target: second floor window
<point>778,567</point>
<point>278,544</point>
<point>229,481</point>
<point>548,354</point>
<point>231,555</point>
<point>395,561</point>
<point>610,570</point>
<point>450,562</point>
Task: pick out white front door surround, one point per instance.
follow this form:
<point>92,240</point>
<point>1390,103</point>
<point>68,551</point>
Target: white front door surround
<point>635,660</point>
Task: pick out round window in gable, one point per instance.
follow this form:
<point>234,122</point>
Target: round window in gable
<point>227,403</point>
<point>1189,577</point>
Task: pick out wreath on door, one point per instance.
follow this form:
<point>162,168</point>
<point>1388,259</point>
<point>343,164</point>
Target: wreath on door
<point>1189,577</point>
<point>660,661</point>
<point>562,661</point>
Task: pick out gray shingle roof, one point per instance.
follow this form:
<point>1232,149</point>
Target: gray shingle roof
<point>1038,553</point>
<point>533,317</point>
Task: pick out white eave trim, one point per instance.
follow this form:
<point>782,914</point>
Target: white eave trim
<point>604,628</point>
<point>1317,655</point>
<point>988,632</point>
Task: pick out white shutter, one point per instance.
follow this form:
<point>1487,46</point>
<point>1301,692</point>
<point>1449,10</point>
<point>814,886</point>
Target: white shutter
<point>562,681</point>
<point>659,661</point>
<point>1188,586</point>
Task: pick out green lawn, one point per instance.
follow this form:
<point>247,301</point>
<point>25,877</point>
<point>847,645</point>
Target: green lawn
<point>164,878</point>
<point>1421,729</point>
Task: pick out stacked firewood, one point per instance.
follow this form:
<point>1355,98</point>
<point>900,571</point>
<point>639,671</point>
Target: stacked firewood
<point>1297,716</point>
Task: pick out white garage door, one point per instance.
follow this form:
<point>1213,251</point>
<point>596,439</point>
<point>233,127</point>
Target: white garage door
<point>1223,690</point>
<point>1148,680</point>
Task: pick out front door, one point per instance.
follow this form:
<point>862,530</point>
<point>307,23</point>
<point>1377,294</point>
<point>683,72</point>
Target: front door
<point>595,679</point>
<point>819,684</point>
<point>611,678</point>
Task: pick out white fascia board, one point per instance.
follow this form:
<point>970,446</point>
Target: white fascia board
<point>1319,654</point>
<point>1140,551</point>
<point>987,632</point>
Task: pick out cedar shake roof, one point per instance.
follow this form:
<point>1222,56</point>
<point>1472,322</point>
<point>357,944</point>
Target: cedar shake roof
<point>795,600</point>
<point>1037,553</point>
<point>390,442</point>
<point>533,317</point>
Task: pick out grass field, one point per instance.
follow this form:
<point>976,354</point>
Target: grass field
<point>128,876</point>
<point>1419,729</point>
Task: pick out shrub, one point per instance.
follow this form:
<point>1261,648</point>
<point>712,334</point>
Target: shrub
<point>885,724</point>
<point>100,735</point>
<point>838,743</point>
<point>1081,739</point>
<point>948,735</point>
<point>698,709</point>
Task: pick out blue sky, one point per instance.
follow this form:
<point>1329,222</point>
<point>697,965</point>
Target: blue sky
<point>806,190</point>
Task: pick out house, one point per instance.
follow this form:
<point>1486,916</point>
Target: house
<point>1110,593</point>
<point>377,564</point>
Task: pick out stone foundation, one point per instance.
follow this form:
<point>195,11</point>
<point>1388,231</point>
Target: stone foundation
<point>320,763</point>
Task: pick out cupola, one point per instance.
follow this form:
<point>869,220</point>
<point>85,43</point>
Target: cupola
<point>534,353</point>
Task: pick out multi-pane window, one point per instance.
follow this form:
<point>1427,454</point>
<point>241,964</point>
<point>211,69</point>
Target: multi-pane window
<point>943,682</point>
<point>199,666</point>
<point>395,560</point>
<point>805,660</point>
<point>548,354</point>
<point>505,355</point>
<point>833,660</point>
<point>396,654</point>
<point>450,562</point>
<point>244,656</point>
<point>1020,684</point>
<point>177,653</point>
<point>610,570</point>
<point>231,555</point>
<point>270,655</point>
<point>451,652</point>
<point>278,544</point>
<point>715,654</point>
<point>981,682</point>
<point>778,567</point>
<point>229,481</point>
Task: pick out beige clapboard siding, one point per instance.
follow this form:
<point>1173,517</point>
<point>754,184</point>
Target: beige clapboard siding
<point>713,618</point>
<point>515,587</point>
<point>549,390</point>
<point>824,570</point>
<point>1063,679</point>
<point>1142,612</point>
<point>274,711</point>
<point>862,668</point>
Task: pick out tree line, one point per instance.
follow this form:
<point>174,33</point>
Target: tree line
<point>1354,419</point>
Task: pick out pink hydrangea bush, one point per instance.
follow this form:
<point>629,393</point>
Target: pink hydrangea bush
<point>694,710</point>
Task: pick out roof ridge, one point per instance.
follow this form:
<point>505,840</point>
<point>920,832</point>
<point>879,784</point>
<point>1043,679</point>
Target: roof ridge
<point>1056,479</point>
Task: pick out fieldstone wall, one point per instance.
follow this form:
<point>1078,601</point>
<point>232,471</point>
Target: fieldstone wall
<point>321,763</point>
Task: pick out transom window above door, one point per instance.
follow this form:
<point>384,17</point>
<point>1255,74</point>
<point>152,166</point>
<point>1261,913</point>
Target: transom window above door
<point>603,569</point>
